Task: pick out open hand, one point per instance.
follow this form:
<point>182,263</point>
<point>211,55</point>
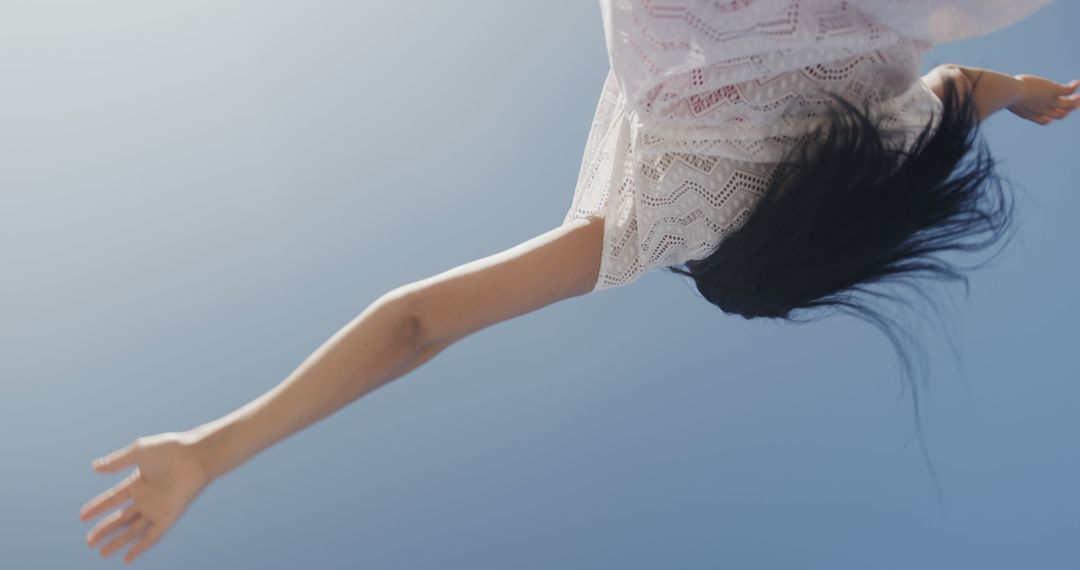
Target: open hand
<point>1046,100</point>
<point>168,476</point>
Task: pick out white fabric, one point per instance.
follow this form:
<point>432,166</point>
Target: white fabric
<point>703,97</point>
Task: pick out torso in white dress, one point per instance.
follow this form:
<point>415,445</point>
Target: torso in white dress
<point>704,97</point>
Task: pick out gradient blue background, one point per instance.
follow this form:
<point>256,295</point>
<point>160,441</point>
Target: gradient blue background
<point>195,195</point>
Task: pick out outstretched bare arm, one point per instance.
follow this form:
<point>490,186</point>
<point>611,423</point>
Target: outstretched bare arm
<point>403,330</point>
<point>1030,97</point>
<point>397,333</point>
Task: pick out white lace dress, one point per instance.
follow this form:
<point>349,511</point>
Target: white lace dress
<point>703,97</point>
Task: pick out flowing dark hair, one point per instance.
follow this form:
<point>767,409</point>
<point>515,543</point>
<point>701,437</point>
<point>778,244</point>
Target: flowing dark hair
<point>848,209</point>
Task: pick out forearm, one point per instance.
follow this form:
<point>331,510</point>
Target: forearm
<point>373,349</point>
<point>995,90</point>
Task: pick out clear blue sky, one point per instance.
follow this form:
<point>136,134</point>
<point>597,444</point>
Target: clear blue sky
<point>195,195</point>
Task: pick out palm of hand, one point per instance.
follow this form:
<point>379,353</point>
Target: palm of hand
<point>1046,100</point>
<point>168,476</point>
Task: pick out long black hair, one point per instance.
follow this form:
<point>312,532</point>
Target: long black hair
<point>849,208</point>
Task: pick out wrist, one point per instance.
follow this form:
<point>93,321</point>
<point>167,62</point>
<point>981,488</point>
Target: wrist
<point>1022,87</point>
<point>207,441</point>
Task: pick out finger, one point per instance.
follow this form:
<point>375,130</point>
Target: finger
<point>1063,102</point>
<point>1047,111</point>
<point>147,541</point>
<point>116,460</point>
<point>1042,119</point>
<point>136,528</point>
<point>111,523</point>
<point>1069,87</point>
<point>110,498</point>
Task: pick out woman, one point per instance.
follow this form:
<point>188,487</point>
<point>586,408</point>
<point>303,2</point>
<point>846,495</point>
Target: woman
<point>780,153</point>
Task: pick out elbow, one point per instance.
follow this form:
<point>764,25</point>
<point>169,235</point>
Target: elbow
<point>407,328</point>
<point>410,331</point>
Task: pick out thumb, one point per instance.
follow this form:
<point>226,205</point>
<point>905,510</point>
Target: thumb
<point>1072,85</point>
<point>116,460</point>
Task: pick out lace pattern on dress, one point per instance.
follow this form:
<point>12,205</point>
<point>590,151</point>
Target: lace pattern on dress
<point>704,97</point>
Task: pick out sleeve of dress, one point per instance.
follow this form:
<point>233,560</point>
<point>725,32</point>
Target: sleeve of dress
<point>650,41</point>
<point>945,21</point>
